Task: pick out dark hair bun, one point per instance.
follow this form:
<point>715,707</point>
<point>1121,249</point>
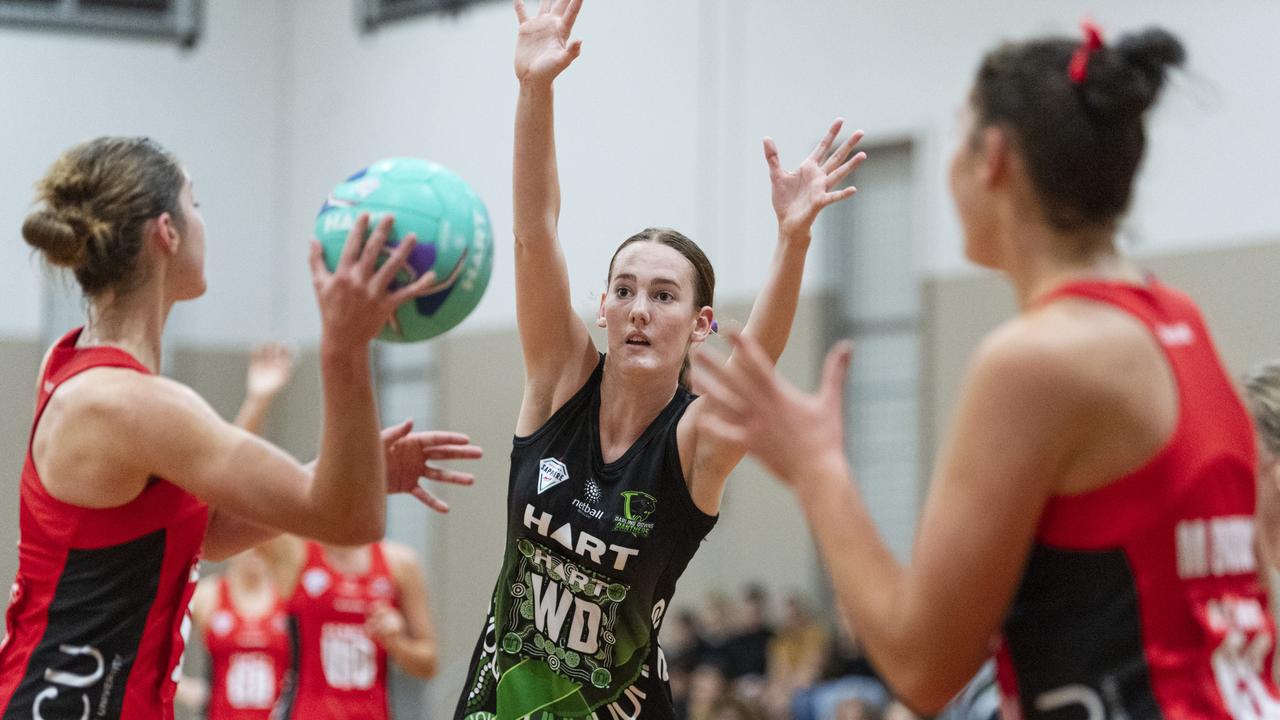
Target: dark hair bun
<point>1130,75</point>
<point>1152,51</point>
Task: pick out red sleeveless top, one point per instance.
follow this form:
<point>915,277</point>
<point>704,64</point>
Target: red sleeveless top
<point>248,657</point>
<point>98,617</point>
<point>341,671</point>
<point>1142,599</point>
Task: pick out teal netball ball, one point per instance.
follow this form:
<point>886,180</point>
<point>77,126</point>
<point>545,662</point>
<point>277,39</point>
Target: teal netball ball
<point>454,238</point>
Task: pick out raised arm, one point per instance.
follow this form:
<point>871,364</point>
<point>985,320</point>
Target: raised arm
<point>114,428</point>
<point>558,351</point>
<point>928,625</point>
<point>270,369</point>
<point>798,197</point>
<point>409,458</point>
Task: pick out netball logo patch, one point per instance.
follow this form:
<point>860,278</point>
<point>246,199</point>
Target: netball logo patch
<point>222,623</point>
<point>315,581</point>
<point>551,472</point>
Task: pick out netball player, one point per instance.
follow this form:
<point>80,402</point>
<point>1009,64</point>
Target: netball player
<point>244,625</point>
<point>611,488</point>
<point>350,610</point>
<point>128,474</point>
<point>353,611</point>
<point>1092,507</point>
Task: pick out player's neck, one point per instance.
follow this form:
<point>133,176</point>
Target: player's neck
<point>1039,258</point>
<point>133,322</point>
<point>247,579</point>
<point>356,560</point>
<point>627,406</point>
<point>247,582</point>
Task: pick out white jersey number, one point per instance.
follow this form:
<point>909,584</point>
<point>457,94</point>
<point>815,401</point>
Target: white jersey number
<point>251,682</point>
<point>1239,660</point>
<point>348,656</point>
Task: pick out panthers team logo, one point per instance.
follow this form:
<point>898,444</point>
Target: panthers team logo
<point>637,506</point>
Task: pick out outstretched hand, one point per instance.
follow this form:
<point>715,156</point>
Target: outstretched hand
<point>270,367</point>
<point>409,456</point>
<point>752,406</point>
<point>799,195</point>
<point>543,48</point>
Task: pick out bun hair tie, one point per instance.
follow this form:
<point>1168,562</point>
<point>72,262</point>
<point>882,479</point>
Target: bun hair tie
<point>1078,68</point>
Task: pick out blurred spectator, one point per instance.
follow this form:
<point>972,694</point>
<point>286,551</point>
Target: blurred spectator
<point>706,686</point>
<point>856,709</point>
<point>683,648</point>
<point>797,656</point>
<point>850,676</point>
<point>714,632</point>
<point>729,707</point>
<point>682,641</point>
<point>748,646</point>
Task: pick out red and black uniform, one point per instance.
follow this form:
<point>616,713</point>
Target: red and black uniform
<point>341,672</point>
<point>1142,599</point>
<point>248,657</point>
<point>98,615</point>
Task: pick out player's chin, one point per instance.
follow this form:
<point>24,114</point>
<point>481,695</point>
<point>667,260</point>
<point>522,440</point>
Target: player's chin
<point>638,357</point>
<point>192,290</point>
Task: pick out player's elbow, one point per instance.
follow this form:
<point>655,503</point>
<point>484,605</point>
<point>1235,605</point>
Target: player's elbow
<point>924,699</point>
<point>922,686</point>
<point>215,552</point>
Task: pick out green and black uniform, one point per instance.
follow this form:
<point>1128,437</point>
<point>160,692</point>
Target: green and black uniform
<point>594,550</point>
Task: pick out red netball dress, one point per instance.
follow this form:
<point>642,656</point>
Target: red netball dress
<point>341,672</point>
<point>248,657</point>
<point>1141,599</point>
<point>98,614</point>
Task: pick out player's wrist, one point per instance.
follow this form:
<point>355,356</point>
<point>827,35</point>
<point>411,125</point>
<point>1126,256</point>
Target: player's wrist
<point>260,397</point>
<point>819,473</point>
<point>536,84</point>
<point>798,235</point>
<point>343,359</point>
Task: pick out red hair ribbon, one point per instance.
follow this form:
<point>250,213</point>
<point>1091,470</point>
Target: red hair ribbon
<point>1079,65</point>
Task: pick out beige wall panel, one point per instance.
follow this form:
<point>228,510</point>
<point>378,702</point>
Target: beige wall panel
<point>21,361</point>
<point>1236,289</point>
<point>480,381</point>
